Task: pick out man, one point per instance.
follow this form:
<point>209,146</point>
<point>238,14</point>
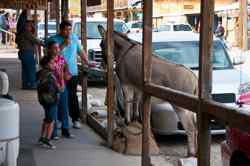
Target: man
<point>70,49</point>
<point>219,32</point>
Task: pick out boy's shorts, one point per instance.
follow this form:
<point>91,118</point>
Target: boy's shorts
<point>50,112</point>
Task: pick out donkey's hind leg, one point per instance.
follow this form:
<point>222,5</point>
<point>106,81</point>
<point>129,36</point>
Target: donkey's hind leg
<point>188,120</point>
<point>126,92</point>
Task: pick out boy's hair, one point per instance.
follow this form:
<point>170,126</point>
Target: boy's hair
<point>65,24</point>
<point>51,43</point>
<point>45,61</point>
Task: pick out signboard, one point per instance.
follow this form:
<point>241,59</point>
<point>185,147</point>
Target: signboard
<point>93,2</point>
<point>24,4</point>
<point>134,3</point>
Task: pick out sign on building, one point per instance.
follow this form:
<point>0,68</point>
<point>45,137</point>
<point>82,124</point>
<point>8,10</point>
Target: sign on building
<point>93,2</point>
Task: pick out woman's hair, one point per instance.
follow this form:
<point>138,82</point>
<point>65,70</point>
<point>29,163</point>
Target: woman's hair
<point>45,61</point>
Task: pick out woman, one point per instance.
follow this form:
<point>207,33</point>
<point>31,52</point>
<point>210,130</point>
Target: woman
<point>26,42</point>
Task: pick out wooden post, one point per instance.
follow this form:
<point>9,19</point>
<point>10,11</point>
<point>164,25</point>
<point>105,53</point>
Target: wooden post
<point>146,68</point>
<point>243,24</point>
<point>205,79</point>
<point>110,89</point>
<point>84,43</point>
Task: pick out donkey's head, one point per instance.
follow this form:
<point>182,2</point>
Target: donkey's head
<point>120,43</point>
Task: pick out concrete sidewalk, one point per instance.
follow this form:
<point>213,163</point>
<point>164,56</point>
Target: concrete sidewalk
<point>87,149</point>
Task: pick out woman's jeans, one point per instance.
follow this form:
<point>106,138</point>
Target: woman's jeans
<point>63,112</point>
<point>28,69</point>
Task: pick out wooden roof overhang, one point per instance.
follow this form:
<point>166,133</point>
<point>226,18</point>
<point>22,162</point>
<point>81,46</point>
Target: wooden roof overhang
<point>35,4</point>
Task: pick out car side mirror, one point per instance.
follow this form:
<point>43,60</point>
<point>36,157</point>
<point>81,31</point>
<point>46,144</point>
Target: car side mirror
<point>238,60</point>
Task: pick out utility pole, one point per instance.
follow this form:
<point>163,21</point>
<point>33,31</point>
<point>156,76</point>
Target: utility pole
<point>243,25</point>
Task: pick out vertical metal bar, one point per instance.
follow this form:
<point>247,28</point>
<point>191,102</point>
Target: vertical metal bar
<point>205,79</point>
<point>46,23</point>
<point>65,10</point>
<point>146,68</point>
<point>84,43</point>
<point>57,15</point>
<point>110,89</point>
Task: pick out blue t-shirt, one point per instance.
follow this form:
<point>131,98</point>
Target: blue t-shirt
<point>69,52</point>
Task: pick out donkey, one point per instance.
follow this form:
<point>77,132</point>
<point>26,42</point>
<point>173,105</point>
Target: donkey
<point>128,58</point>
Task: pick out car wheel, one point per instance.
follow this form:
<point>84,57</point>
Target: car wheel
<point>239,159</point>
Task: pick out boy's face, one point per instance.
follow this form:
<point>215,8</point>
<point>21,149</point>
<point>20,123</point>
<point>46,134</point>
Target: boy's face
<point>54,49</point>
<point>51,64</point>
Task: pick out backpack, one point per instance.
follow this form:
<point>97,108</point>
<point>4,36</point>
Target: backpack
<point>46,88</point>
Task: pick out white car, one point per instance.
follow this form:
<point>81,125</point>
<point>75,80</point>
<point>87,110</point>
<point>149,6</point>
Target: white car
<point>183,48</point>
<point>93,43</point>
<point>51,29</point>
<point>135,26</point>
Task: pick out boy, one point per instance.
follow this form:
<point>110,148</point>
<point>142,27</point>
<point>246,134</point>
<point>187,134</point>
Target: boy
<point>48,89</point>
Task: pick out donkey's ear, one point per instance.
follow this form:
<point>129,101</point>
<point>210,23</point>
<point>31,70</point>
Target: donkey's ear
<point>101,30</point>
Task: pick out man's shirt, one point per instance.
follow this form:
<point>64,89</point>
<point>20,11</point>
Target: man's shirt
<point>70,52</point>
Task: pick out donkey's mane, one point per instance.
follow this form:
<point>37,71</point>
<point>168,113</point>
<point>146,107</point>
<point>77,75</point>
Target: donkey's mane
<point>122,35</point>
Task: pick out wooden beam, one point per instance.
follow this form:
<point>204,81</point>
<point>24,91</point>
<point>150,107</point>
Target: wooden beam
<point>110,88</point>
<point>146,68</point>
<point>179,98</point>
<point>205,80</point>
<point>84,43</point>
<point>243,24</point>
<point>234,117</point>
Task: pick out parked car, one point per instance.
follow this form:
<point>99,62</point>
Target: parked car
<point>183,48</point>
<point>173,27</point>
<point>93,43</point>
<point>134,26</point>
<point>51,29</point>
<point>235,151</point>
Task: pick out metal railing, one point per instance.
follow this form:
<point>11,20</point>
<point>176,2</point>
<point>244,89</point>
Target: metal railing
<point>7,39</point>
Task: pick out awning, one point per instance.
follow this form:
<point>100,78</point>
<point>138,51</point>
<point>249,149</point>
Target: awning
<point>24,4</point>
<point>34,4</point>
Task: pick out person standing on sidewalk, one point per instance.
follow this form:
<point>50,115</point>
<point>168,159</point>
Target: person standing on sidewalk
<point>70,49</point>
<point>48,91</point>
<point>26,42</point>
<point>62,76</point>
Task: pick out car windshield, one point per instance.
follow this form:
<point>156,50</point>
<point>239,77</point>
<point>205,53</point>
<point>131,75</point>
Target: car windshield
<point>187,53</point>
<point>182,27</point>
<point>92,30</point>
<point>137,25</point>
<point>164,28</point>
<point>50,27</point>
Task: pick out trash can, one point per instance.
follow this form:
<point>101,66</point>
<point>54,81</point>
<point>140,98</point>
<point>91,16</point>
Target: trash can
<point>9,132</point>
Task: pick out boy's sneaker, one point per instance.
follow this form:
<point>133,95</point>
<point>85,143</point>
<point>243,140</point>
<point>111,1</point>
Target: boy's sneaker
<point>41,140</point>
<point>48,144</point>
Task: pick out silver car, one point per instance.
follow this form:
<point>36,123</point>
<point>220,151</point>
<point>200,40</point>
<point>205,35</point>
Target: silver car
<point>183,48</point>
